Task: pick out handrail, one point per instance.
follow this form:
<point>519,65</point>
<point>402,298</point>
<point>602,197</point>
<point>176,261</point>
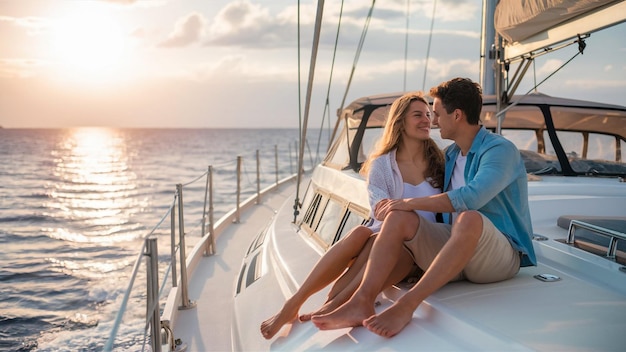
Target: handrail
<point>120,313</point>
<point>613,235</point>
<point>180,267</point>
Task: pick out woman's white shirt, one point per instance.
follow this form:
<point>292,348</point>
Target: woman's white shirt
<point>385,182</point>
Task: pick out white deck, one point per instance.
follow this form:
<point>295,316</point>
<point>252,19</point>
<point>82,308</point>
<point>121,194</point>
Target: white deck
<point>207,327</point>
<point>584,311</point>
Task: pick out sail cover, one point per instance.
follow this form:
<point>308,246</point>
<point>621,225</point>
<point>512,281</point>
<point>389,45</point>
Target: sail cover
<point>534,25</point>
<point>517,20</point>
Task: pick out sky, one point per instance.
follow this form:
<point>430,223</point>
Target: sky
<point>234,64</point>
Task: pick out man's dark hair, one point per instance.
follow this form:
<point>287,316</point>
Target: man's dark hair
<point>463,94</point>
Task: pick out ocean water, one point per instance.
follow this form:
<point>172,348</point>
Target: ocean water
<point>76,204</point>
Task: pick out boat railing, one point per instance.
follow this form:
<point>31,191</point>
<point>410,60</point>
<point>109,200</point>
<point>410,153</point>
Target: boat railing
<point>613,235</point>
<point>159,332</point>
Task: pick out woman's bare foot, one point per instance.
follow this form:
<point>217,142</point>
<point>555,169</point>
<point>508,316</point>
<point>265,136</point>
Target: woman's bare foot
<point>287,314</point>
<point>328,307</point>
<point>350,314</point>
<point>390,322</point>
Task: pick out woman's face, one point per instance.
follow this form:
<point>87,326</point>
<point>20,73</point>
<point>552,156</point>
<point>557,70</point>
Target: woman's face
<point>417,121</point>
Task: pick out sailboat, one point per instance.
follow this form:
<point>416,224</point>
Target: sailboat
<point>573,300</point>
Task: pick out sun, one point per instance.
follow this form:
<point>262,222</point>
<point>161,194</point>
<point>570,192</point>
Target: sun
<point>88,42</point>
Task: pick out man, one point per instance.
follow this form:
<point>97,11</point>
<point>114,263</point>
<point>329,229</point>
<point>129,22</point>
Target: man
<point>488,235</point>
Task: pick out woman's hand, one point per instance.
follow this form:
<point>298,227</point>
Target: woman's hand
<point>385,206</point>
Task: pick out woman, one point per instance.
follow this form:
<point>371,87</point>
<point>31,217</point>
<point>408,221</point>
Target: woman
<point>406,163</point>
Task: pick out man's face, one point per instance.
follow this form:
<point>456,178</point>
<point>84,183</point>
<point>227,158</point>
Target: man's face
<point>442,119</point>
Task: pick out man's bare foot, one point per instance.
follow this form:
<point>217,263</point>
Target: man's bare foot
<point>390,322</point>
<point>287,314</point>
<point>348,315</point>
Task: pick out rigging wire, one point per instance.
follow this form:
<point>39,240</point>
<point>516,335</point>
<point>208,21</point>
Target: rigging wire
<point>501,113</point>
<point>307,106</point>
<point>296,204</point>
<point>356,59</point>
<point>406,42</point>
<point>430,37</point>
<point>332,68</point>
<point>358,53</point>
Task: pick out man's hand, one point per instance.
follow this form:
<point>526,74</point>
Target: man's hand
<point>385,206</point>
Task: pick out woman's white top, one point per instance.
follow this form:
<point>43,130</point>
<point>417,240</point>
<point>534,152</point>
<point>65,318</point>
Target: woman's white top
<point>385,182</point>
<point>458,179</point>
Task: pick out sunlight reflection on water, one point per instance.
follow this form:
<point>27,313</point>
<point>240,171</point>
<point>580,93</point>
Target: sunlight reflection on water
<point>93,186</point>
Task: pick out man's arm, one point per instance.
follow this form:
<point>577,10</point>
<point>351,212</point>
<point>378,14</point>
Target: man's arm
<point>496,170</point>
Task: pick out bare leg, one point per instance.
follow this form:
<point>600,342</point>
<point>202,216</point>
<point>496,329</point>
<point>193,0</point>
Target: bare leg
<point>452,258</point>
<point>398,227</point>
<point>400,271</point>
<point>355,270</point>
<point>332,264</point>
<point>345,282</point>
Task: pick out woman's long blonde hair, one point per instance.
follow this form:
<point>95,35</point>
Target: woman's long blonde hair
<point>392,138</point>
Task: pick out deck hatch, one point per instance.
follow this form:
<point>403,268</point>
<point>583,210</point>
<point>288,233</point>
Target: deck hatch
<point>240,279</point>
<point>254,272</point>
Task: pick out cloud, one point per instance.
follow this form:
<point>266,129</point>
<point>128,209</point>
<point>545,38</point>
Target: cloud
<point>20,68</point>
<point>549,67</point>
<point>34,25</point>
<point>588,84</point>
<point>244,23</point>
<point>187,30</point>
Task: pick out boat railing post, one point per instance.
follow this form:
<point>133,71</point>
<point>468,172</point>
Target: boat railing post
<point>186,302</point>
<point>236,220</point>
<point>206,190</point>
<point>276,162</point>
<point>209,248</point>
<point>258,178</point>
<point>173,244</point>
<point>152,280</point>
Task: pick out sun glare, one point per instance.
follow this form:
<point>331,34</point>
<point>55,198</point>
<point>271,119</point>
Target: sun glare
<point>89,43</point>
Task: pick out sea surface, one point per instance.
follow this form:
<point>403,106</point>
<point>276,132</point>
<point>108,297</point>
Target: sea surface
<point>76,205</point>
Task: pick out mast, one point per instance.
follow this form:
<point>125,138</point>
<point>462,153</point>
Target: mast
<point>487,39</point>
<point>492,60</point>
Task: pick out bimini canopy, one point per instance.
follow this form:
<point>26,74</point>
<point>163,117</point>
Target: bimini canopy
<point>364,119</point>
<point>567,114</point>
<point>531,25</point>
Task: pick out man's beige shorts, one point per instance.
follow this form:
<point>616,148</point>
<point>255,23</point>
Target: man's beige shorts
<point>494,259</point>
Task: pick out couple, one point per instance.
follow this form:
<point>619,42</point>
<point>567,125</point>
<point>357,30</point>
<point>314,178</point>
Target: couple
<point>485,237</point>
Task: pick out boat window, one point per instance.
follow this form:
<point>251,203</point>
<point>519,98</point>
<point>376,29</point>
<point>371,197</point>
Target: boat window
<point>309,195</point>
<point>312,210</point>
<point>602,147</point>
<point>572,143</point>
<point>523,139</point>
<point>339,155</point>
<point>351,220</point>
<point>370,137</point>
<point>589,153</point>
<point>329,222</point>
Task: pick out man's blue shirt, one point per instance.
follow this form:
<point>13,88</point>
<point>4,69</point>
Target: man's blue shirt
<point>496,186</point>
